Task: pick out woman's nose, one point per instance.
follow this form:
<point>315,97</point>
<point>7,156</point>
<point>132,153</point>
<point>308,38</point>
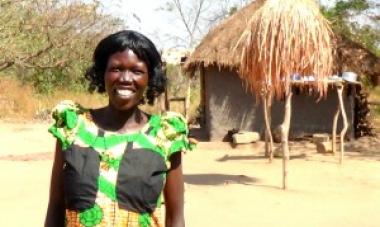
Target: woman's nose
<point>126,76</point>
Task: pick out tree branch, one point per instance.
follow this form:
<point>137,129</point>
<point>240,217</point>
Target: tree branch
<point>178,6</point>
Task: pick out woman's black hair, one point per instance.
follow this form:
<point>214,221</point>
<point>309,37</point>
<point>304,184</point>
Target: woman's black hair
<point>142,47</point>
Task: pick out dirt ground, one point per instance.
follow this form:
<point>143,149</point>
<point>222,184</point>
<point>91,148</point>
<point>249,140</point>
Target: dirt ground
<point>224,186</point>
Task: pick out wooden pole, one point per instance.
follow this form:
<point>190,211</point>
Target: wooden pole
<point>203,102</point>
<point>166,97</point>
<point>162,103</point>
<point>269,103</point>
<point>285,137</point>
<point>268,133</point>
<point>335,123</point>
<point>345,122</point>
<point>187,100</point>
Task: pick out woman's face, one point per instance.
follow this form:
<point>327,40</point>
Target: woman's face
<point>126,78</point>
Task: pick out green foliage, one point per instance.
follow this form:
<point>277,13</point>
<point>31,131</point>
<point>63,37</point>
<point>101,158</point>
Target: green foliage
<point>357,5</point>
<point>177,81</point>
<point>233,10</point>
<point>177,87</point>
<point>49,43</point>
<point>370,38</point>
<point>377,110</point>
<point>342,15</point>
<point>342,9</point>
<point>46,81</point>
<point>366,81</point>
<point>374,95</point>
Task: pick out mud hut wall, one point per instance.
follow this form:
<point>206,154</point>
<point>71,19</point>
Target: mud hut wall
<point>312,116</point>
<point>228,107</point>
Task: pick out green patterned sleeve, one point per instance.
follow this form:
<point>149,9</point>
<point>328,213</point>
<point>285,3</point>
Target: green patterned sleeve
<point>65,125</point>
<point>176,132</point>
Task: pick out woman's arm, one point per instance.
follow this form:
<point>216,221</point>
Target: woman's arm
<point>55,216</point>
<point>173,193</point>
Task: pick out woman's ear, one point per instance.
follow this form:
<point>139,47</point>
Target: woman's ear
<point>143,100</point>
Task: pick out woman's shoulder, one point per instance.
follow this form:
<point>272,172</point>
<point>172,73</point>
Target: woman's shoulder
<point>172,130</point>
<point>66,115</point>
<point>170,123</point>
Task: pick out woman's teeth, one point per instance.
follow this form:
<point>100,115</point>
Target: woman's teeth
<point>124,92</point>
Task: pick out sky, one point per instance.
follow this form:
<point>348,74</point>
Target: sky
<point>146,17</point>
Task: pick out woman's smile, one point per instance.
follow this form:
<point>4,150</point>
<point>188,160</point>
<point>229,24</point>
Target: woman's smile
<point>126,93</point>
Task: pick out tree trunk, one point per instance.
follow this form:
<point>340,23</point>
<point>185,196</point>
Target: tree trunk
<point>285,137</point>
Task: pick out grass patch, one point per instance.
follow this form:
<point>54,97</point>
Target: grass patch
<point>16,101</point>
<point>374,96</point>
<point>21,102</point>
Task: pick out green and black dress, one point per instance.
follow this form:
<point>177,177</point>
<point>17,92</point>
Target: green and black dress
<point>115,179</point>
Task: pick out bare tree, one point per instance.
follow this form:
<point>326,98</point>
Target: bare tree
<point>198,16</point>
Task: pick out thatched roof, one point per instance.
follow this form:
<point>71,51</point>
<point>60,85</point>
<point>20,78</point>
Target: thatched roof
<point>217,48</point>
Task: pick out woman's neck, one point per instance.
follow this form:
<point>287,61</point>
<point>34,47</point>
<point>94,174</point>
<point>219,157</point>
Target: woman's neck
<point>112,119</point>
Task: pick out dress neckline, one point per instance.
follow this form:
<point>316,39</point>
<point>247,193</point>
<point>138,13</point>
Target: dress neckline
<point>90,121</point>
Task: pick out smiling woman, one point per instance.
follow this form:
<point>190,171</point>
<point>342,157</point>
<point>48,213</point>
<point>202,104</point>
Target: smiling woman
<point>113,164</point>
<point>126,78</point>
<point>108,56</point>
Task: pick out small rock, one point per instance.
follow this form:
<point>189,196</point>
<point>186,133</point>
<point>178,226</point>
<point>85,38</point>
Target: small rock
<point>245,137</point>
<point>324,147</point>
<point>320,137</point>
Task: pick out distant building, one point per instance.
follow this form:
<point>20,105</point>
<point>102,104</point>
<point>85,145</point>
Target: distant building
<point>175,56</point>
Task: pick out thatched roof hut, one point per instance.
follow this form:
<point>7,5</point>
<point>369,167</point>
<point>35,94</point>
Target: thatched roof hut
<point>217,48</point>
<point>226,105</point>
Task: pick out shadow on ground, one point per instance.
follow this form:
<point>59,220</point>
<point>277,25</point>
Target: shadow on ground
<point>198,133</point>
<point>218,179</point>
<point>253,157</point>
<point>41,156</point>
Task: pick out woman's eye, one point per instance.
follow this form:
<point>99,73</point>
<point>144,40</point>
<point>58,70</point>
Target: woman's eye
<point>137,72</point>
<point>115,69</point>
